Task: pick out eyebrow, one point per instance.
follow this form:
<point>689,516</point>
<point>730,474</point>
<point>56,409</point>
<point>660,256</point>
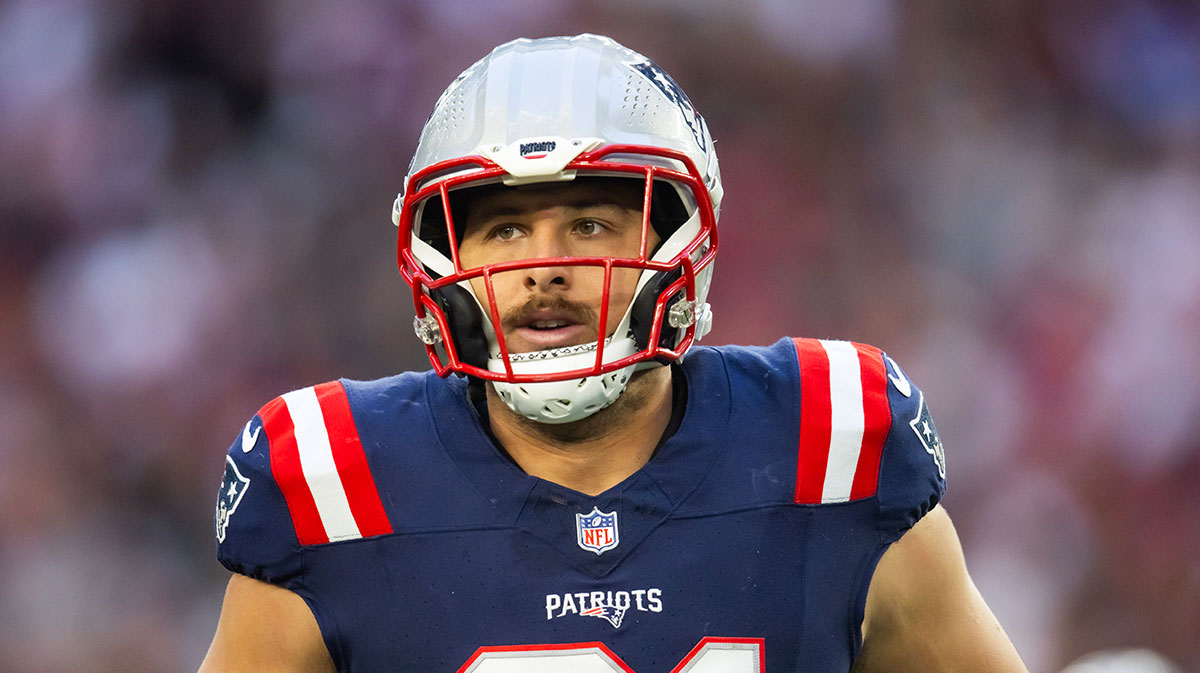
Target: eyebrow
<point>506,210</point>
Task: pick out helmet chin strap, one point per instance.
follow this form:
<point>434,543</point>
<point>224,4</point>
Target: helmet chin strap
<point>557,402</point>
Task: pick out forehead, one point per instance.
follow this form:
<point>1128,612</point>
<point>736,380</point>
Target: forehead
<point>578,194</point>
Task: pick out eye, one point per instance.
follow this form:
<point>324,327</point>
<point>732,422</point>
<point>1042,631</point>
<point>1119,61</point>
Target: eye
<point>589,227</point>
<point>505,232</point>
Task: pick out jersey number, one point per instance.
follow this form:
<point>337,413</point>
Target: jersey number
<point>710,655</point>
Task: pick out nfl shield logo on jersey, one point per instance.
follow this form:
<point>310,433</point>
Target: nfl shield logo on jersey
<point>596,531</point>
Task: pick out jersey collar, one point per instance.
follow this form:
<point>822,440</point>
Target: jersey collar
<point>643,500</point>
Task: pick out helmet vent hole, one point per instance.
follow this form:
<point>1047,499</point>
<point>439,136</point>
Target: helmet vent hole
<point>523,391</point>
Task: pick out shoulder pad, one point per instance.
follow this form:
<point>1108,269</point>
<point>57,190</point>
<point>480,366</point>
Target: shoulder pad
<point>296,476</point>
<point>912,475</point>
<point>844,420</point>
<point>865,431</point>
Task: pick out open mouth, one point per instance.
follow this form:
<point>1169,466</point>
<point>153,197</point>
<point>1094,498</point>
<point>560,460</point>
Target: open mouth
<point>552,325</point>
<point>544,334</point>
<point>546,329</point>
<point>542,325</point>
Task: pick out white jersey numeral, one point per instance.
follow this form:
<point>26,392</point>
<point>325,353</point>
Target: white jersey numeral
<point>711,655</point>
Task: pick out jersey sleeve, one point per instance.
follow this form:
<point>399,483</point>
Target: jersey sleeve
<point>297,477</point>
<point>254,531</point>
<point>865,432</point>
<point>912,469</point>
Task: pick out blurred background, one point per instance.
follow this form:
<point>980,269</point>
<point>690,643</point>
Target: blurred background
<point>194,218</point>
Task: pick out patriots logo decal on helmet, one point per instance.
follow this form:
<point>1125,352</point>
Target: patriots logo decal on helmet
<point>666,84</point>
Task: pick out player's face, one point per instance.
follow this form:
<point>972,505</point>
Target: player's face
<point>554,306</point>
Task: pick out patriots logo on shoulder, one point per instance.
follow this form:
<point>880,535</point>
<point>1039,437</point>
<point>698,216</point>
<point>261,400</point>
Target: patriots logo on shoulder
<point>596,531</point>
<point>233,489</point>
<point>923,426</point>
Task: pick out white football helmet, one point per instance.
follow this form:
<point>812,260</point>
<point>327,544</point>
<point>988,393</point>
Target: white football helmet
<point>546,110</point>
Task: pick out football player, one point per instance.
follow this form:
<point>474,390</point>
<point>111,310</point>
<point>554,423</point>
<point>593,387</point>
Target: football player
<point>577,485</point>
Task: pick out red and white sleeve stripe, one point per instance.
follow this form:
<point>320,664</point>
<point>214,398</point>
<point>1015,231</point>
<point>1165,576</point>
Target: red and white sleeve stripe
<point>318,461</point>
<point>844,420</point>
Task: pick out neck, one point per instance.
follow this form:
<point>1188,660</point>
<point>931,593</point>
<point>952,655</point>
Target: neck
<point>594,454</point>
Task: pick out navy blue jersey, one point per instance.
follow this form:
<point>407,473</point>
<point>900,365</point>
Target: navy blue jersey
<point>747,543</point>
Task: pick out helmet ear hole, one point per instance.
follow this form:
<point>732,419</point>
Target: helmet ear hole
<point>641,317</point>
<point>466,324</point>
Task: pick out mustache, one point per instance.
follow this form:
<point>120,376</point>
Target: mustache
<point>574,311</point>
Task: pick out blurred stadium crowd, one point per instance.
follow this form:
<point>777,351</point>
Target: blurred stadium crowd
<point>194,201</point>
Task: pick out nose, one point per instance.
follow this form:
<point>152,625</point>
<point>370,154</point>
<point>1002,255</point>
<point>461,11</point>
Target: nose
<point>546,278</point>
